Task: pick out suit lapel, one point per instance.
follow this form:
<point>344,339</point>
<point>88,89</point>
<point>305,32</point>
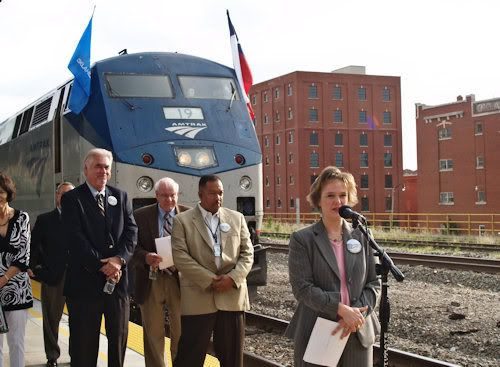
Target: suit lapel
<point>201,227</point>
<point>224,218</point>
<point>349,257</point>
<point>152,218</point>
<point>111,210</point>
<point>325,248</point>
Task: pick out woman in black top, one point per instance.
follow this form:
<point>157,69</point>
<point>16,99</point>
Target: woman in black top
<point>15,286</point>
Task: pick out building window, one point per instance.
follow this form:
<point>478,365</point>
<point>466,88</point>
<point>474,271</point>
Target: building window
<point>365,204</point>
<point>278,159</point>
<point>339,159</point>
<point>313,91</point>
<point>292,203</point>
<point>267,180</point>
<point>290,137</point>
<point>388,140</point>
<point>386,94</point>
<point>339,139</point>
<point>268,203</point>
<point>362,117</point>
<point>254,99</point>
<point>478,128</point>
<point>388,204</point>
<point>291,180</point>
<point>388,182</point>
<point>265,97</point>
<point>337,93</point>
<point>266,119</point>
<point>290,113</point>
<point>276,93</point>
<point>363,140</point>
<point>313,178</point>
<point>278,180</point>
<point>290,158</point>
<point>279,203</point>
<point>266,141</point>
<point>313,114</point>
<point>364,182</point>
<point>480,197</point>
<point>314,160</point>
<point>446,198</point>
<point>266,160</point>
<point>387,117</point>
<point>387,159</point>
<point>363,160</point>
<point>337,115</point>
<point>446,164</point>
<point>479,161</point>
<point>362,93</point>
<point>313,138</point>
<point>444,133</point>
<point>277,116</point>
<point>289,90</point>
<point>278,140</point>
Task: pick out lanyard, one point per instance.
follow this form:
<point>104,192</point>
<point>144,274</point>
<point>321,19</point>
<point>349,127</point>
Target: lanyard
<point>217,249</point>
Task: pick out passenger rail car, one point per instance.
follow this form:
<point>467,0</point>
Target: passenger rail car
<point>161,114</point>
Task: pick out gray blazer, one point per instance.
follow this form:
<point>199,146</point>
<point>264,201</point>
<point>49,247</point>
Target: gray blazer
<point>315,281</point>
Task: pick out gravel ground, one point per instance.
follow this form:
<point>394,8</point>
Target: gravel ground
<point>443,314</point>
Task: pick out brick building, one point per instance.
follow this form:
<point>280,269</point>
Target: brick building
<point>308,120</point>
<point>458,154</point>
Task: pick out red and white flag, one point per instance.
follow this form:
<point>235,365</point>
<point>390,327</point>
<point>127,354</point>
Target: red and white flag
<point>241,66</point>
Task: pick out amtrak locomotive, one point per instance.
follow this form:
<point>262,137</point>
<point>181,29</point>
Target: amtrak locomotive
<point>161,114</point>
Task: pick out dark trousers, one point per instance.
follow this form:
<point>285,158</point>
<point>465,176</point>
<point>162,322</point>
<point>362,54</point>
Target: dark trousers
<point>52,310</point>
<point>228,335</point>
<point>84,326</point>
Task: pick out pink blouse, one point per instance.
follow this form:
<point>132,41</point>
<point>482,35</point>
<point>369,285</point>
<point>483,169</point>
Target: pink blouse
<point>338,249</point>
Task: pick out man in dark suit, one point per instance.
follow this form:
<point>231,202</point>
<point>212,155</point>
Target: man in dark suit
<point>154,288</point>
<point>102,234</point>
<point>49,258</point>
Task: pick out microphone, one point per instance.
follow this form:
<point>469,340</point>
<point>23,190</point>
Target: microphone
<point>346,212</point>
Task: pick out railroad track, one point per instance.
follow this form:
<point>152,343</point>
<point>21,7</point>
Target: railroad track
<point>479,265</point>
<point>396,357</point>
<point>480,247</point>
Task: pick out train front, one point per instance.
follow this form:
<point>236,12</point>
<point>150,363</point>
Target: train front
<point>168,114</point>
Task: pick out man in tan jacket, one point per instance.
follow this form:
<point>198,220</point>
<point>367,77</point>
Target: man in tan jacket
<point>213,253</point>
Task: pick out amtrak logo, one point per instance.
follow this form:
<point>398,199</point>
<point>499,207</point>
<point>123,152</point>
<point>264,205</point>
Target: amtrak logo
<point>187,129</point>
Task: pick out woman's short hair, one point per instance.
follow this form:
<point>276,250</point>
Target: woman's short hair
<point>329,174</point>
<point>8,185</point>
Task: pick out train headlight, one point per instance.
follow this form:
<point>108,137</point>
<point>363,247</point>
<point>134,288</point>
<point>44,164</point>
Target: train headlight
<point>145,184</point>
<point>245,183</point>
<point>197,158</point>
<point>184,158</point>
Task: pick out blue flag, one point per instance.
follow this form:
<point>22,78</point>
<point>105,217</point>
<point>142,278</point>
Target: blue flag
<point>79,65</point>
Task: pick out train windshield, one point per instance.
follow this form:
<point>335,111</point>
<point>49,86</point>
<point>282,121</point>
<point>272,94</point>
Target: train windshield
<point>208,87</point>
<point>134,85</point>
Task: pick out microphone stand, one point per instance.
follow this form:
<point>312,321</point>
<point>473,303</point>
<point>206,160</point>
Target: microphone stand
<point>386,265</point>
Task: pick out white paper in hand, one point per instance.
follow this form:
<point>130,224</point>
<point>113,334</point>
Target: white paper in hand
<point>324,348</point>
<point>164,249</point>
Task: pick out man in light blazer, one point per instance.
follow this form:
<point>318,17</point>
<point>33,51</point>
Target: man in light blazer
<point>153,295</point>
<point>213,252</point>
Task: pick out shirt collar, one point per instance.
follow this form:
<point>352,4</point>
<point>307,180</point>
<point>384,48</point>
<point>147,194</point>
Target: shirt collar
<point>162,212</point>
<point>94,191</point>
<point>206,214</point>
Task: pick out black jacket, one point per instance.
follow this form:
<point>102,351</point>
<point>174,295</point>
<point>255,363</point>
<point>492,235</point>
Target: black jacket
<point>91,237</point>
<point>49,250</point>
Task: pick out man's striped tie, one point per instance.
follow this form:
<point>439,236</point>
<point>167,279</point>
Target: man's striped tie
<point>100,203</point>
<point>167,225</point>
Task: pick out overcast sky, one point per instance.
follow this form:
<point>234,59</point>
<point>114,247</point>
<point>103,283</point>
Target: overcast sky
<point>439,48</point>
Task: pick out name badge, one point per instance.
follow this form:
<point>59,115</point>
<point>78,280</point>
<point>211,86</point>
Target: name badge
<point>353,246</point>
<point>225,227</point>
<point>217,250</point>
<point>112,200</point>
